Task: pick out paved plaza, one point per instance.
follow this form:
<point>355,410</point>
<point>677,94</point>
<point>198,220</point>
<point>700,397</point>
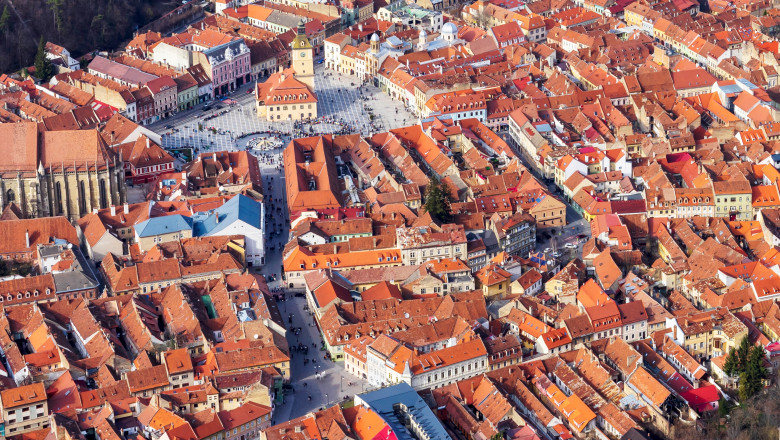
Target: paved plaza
<point>334,382</point>
<point>344,106</point>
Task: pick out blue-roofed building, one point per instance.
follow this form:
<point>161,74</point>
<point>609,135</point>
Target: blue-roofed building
<point>400,406</point>
<point>163,229</point>
<point>241,215</point>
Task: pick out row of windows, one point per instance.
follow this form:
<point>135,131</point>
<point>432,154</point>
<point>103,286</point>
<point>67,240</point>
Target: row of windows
<point>165,166</point>
<point>26,295</point>
<point>293,107</point>
<point>290,116</point>
<point>58,200</point>
<point>463,369</point>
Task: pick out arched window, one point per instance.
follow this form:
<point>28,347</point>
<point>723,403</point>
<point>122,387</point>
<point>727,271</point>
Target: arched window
<point>58,198</point>
<point>103,194</point>
<point>10,196</point>
<point>82,198</point>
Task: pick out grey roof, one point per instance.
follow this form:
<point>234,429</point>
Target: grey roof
<point>283,19</point>
<point>490,240</point>
<point>81,275</point>
<point>120,71</point>
<point>385,402</point>
<point>222,52</point>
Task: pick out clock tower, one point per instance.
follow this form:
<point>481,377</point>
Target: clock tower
<point>303,57</point>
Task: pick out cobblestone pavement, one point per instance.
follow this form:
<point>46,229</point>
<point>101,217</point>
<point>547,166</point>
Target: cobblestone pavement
<point>343,103</point>
<point>334,381</point>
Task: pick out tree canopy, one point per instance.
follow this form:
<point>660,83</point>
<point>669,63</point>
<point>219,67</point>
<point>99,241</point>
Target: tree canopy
<point>80,26</point>
<point>747,362</point>
<point>437,202</point>
<point>43,67</point>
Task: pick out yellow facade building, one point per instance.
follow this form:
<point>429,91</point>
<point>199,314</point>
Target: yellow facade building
<point>289,94</point>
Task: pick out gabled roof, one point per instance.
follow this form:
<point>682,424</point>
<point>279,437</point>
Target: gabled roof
<point>163,225</point>
<point>330,291</point>
<point>238,209</point>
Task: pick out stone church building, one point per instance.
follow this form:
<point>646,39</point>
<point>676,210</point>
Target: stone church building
<point>50,173</point>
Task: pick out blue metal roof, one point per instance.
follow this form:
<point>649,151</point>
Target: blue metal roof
<point>239,208</point>
<point>383,402</point>
<point>746,83</point>
<point>163,225</point>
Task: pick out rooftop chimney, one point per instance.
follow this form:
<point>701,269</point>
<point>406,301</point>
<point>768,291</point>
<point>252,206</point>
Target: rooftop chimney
<point>113,210</point>
<point>127,208</point>
<point>27,237</point>
<point>147,142</point>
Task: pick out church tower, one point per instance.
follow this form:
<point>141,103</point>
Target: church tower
<point>303,57</point>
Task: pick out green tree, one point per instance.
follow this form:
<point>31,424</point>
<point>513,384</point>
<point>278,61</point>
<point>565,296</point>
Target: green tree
<point>743,351</point>
<point>5,19</point>
<point>437,201</point>
<point>97,30</point>
<point>43,68</point>
<point>732,364</point>
<point>723,407</point>
<point>751,381</point>
<point>56,10</point>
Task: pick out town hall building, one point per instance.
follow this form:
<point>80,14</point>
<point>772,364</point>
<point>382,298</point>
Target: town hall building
<point>288,95</point>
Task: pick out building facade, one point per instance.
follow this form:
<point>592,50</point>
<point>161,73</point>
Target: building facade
<point>67,172</point>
